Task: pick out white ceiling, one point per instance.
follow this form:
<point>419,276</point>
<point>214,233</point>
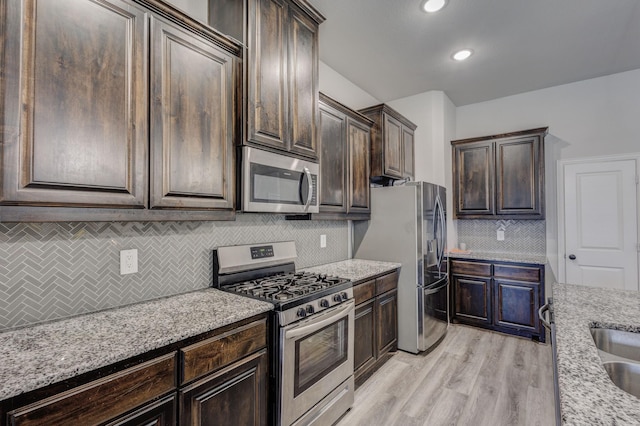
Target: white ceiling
<point>392,50</point>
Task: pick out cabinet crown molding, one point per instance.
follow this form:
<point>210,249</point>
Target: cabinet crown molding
<point>384,108</point>
<point>539,131</point>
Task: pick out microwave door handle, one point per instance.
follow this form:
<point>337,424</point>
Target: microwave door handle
<point>310,193</point>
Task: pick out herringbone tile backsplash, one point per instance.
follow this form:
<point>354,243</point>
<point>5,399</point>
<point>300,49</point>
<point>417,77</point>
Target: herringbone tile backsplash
<point>520,236</point>
<point>55,270</point>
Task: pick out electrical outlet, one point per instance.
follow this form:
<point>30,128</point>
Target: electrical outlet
<point>323,241</point>
<point>500,235</point>
<point>128,261</point>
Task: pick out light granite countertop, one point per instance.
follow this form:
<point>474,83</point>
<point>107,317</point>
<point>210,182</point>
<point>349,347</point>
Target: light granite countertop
<point>355,269</point>
<point>587,395</point>
<point>40,355</point>
<point>539,259</point>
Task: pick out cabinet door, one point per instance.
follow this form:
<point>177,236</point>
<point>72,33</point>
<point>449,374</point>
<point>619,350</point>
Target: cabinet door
<point>408,160</point>
<point>191,121</point>
<point>472,299</point>
<point>267,92</point>
<point>359,138</point>
<point>387,321</point>
<point>516,305</point>
<point>74,122</point>
<point>333,154</point>
<point>303,82</point>
<point>519,174</point>
<point>392,141</point>
<point>474,179</point>
<point>236,395</point>
<point>364,354</point>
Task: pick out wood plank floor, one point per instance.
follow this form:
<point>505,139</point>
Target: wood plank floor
<point>474,377</point>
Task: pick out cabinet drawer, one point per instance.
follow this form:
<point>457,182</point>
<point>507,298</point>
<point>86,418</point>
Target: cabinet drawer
<point>211,354</point>
<point>103,399</point>
<point>387,282</point>
<point>522,273</point>
<point>471,268</point>
<point>365,291</point>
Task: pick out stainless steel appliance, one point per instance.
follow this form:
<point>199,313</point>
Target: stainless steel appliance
<point>275,183</point>
<point>311,372</point>
<point>408,225</point>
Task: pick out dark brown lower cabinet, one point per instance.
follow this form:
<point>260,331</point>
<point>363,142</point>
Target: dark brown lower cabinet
<point>376,324</point>
<point>387,321</point>
<point>102,400</point>
<point>501,296</point>
<point>516,304</point>
<point>365,345</point>
<point>235,395</point>
<point>217,378</point>
<point>473,299</point>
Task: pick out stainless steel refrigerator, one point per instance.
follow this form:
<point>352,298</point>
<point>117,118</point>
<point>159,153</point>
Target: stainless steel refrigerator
<point>408,225</point>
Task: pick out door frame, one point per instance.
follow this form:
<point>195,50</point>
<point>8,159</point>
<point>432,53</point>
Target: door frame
<point>562,273</point>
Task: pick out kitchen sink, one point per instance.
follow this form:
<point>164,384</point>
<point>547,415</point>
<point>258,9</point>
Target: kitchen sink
<point>625,375</point>
<point>619,343</point>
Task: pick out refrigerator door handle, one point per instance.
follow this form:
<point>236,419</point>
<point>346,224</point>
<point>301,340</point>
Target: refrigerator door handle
<point>439,220</point>
<point>420,272</point>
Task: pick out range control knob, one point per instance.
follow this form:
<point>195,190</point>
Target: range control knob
<point>310,309</point>
<point>324,303</point>
<point>337,298</point>
<point>301,313</point>
<point>344,295</point>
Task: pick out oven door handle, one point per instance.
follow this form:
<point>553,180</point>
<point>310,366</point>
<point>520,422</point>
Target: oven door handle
<point>305,329</point>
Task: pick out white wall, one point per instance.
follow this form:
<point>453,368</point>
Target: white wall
<point>600,116</point>
<point>342,90</point>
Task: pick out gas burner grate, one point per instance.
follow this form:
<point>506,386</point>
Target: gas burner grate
<point>285,287</point>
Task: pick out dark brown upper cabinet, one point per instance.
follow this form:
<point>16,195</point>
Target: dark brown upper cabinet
<point>345,140</point>
<point>192,121</point>
<point>282,76</point>
<point>500,176</point>
<point>115,111</point>
<point>392,143</point>
<point>75,103</point>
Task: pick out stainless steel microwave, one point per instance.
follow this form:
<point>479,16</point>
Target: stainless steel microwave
<point>275,183</point>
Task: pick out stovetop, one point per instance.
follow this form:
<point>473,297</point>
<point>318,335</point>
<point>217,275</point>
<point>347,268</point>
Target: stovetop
<point>290,289</point>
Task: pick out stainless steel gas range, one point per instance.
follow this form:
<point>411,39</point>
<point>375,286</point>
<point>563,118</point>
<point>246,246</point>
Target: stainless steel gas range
<point>311,373</point>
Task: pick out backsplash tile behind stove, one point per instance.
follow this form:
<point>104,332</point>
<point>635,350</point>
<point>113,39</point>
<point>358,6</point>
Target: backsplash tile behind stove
<point>520,236</point>
<point>55,270</point>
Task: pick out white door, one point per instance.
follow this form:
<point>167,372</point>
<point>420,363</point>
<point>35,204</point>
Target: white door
<point>601,224</point>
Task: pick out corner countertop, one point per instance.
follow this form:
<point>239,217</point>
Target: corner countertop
<point>587,395</point>
<point>355,269</point>
<point>43,354</point>
<point>539,259</point>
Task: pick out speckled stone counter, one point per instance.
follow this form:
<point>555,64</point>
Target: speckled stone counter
<point>587,395</point>
<point>539,259</point>
<point>37,356</point>
<point>355,269</point>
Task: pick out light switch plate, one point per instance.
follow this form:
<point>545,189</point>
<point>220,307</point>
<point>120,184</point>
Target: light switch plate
<point>500,235</point>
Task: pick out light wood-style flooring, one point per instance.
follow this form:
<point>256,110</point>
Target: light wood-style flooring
<point>474,377</point>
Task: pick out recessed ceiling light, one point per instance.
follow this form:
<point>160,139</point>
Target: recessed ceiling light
<point>463,54</point>
<point>431,6</point>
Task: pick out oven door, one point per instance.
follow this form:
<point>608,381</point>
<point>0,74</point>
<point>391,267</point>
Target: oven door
<point>275,183</point>
<point>317,357</point>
